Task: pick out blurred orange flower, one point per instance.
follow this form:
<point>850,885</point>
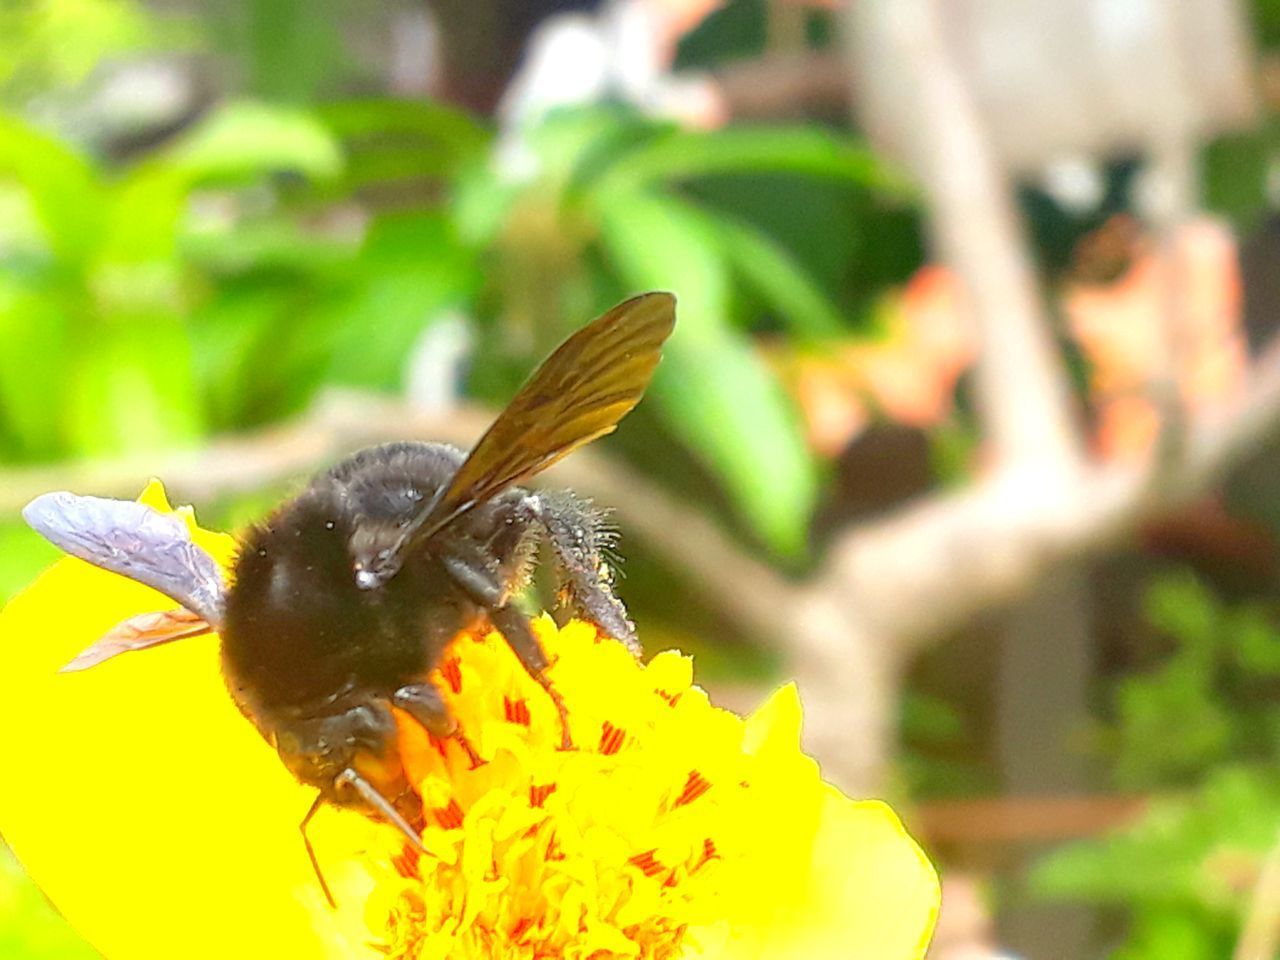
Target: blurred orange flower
<point>908,374</point>
<point>1120,325</point>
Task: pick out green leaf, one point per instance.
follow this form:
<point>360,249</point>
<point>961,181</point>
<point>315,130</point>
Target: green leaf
<point>132,386</point>
<point>412,267</point>
<point>1187,850</point>
<point>68,199</point>
<point>779,278</point>
<point>35,328</point>
<point>1181,606</point>
<point>30,928</point>
<point>712,385</point>
<point>446,128</point>
<point>1257,643</point>
<point>1235,171</point>
<point>241,141</point>
<point>806,151</point>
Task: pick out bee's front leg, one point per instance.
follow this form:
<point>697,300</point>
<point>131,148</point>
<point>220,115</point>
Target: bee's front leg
<point>423,702</point>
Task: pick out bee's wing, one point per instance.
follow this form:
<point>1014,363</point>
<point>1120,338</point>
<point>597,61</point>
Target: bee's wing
<point>138,633</point>
<point>579,393</point>
<point>136,541</point>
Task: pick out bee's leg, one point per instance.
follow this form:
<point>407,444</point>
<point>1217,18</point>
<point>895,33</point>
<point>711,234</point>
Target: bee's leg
<point>423,702</point>
<point>582,540</point>
<point>481,582</point>
<point>515,629</point>
<point>370,795</point>
<point>311,851</point>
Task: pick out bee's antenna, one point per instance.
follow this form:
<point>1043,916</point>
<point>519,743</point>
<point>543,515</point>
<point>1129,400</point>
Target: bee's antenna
<point>311,851</point>
<point>380,803</point>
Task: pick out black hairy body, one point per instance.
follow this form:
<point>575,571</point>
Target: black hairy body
<point>298,630</point>
<point>316,662</point>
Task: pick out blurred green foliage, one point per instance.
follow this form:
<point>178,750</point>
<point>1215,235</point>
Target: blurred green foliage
<point>29,927</point>
<point>58,43</point>
<point>1200,732</point>
<point>216,285</point>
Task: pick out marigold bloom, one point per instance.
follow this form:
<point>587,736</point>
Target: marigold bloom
<point>161,824</point>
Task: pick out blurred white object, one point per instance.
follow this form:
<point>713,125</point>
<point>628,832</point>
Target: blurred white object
<point>416,61</point>
<point>573,59</point>
<point>1057,79</point>
<point>433,378</point>
<point>1075,183</point>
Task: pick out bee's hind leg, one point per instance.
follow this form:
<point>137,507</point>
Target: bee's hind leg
<point>582,539</point>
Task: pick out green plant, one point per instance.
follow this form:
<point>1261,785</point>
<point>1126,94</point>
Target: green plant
<point>1198,731</point>
<point>97,290</point>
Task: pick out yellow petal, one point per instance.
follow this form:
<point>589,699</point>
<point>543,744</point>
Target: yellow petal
<point>872,893</point>
<point>146,807</point>
<point>857,886</point>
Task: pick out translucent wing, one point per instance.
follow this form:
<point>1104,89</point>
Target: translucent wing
<point>136,541</point>
<point>579,393</point>
<point>138,633</point>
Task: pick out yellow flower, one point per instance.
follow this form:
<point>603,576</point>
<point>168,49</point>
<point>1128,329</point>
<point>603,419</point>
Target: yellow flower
<point>162,825</point>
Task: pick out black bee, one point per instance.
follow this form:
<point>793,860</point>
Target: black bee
<point>344,599</point>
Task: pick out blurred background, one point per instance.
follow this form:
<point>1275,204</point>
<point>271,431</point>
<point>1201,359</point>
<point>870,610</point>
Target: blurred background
<point>967,423</point>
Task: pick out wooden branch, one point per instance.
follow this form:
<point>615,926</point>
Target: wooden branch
<point>783,86</point>
<point>1024,396</point>
<point>1171,205</point>
<point>920,573</point>
<point>988,821</point>
<point>747,590</point>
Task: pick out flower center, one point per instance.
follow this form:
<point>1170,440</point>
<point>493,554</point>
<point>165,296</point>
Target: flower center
<point>607,850</point>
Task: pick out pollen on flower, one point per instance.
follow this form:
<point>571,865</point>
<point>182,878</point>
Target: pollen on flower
<point>596,852</point>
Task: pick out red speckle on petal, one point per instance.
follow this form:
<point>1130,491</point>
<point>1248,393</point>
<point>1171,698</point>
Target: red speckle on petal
<point>406,864</point>
<point>709,853</point>
<point>671,698</point>
<point>451,670</point>
<point>694,787</point>
<point>538,793</point>
<point>647,863</point>
<point>611,738</point>
<point>450,817</point>
<point>516,711</point>
<point>553,849</point>
<point>522,925</point>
